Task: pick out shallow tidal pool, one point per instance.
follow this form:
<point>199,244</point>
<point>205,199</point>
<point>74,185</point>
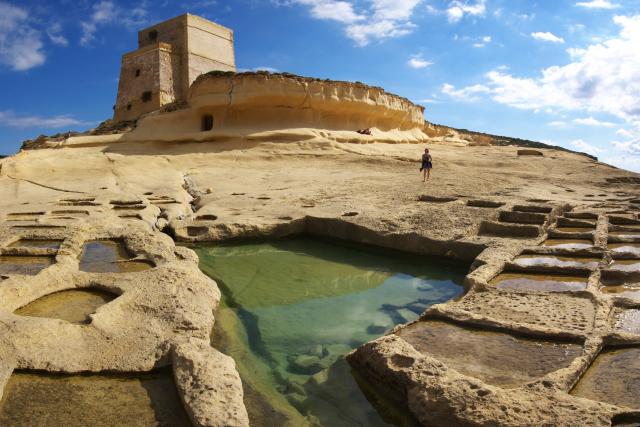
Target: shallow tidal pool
<point>292,309</point>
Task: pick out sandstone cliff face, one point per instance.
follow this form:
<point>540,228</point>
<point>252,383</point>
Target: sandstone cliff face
<point>277,101</point>
<point>246,103</point>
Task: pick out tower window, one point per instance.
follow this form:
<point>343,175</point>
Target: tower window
<point>138,72</point>
<point>153,34</point>
<point>207,122</point>
<point>146,96</point>
<point>129,106</point>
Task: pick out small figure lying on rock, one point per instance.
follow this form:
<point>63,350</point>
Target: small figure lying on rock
<point>366,131</point>
<point>426,165</point>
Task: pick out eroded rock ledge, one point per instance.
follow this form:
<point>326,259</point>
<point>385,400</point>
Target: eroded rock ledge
<point>248,103</point>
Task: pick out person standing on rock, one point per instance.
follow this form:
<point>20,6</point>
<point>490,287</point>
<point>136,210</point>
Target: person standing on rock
<point>426,165</point>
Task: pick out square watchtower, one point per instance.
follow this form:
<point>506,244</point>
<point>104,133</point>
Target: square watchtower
<point>170,56</point>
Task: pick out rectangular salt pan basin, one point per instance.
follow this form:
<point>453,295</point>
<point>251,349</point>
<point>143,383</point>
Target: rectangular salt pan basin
<point>624,290</point>
<point>539,282</point>
<point>568,243</point>
<point>41,399</point>
<point>625,234</point>
<point>37,243</point>
<point>495,357</point>
<point>614,377</point>
<point>555,261</point>
<point>574,229</point>
<point>626,265</point>
<point>27,265</point>
<point>633,248</point>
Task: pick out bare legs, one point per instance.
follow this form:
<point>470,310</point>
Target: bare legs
<point>426,174</point>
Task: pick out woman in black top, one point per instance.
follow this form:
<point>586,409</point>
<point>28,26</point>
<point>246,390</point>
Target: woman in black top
<point>426,165</point>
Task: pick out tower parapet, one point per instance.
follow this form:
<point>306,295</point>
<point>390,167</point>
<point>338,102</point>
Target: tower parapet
<point>170,56</point>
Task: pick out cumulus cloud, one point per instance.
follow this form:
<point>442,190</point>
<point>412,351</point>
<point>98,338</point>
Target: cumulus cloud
<point>374,20</point>
<point>557,123</point>
<point>469,93</point>
<point>585,147</point>
<point>10,119</point>
<point>21,45</point>
<point>417,62</point>
<point>597,4</point>
<point>624,133</point>
<point>602,78</point>
<point>340,11</point>
<point>590,121</point>
<point>547,37</point>
<point>631,147</point>
<point>54,32</point>
<point>107,12</point>
<point>458,9</point>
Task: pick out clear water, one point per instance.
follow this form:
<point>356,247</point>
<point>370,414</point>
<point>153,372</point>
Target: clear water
<point>292,309</point>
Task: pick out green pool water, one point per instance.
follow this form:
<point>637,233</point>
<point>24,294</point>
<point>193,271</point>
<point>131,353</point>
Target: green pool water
<point>292,309</point>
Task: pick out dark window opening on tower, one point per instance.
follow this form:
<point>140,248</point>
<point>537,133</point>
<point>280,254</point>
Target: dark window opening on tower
<point>129,106</point>
<point>138,72</point>
<point>153,34</point>
<point>146,96</point>
<point>207,122</point>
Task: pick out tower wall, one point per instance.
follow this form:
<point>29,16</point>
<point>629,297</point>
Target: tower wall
<point>170,56</point>
<point>209,47</point>
<point>146,81</point>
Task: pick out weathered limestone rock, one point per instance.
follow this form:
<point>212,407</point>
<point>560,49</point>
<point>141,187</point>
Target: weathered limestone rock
<point>267,188</point>
<point>209,384</point>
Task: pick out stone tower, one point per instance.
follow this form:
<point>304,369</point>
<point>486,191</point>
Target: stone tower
<point>170,56</point>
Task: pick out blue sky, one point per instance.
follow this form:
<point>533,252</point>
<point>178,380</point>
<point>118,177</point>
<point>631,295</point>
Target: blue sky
<point>559,71</point>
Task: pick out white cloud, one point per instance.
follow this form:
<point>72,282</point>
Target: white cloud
<point>557,123</point>
<point>417,62</point>
<point>269,69</point>
<point>103,12</point>
<point>54,33</point>
<point>624,133</point>
<point>431,10</point>
<point>485,40</point>
<point>597,4</point>
<point>574,28</point>
<point>602,78</point>
<point>590,121</point>
<point>547,37</point>
<point>20,43</point>
<point>394,10</point>
<point>586,147</point>
<point>526,17</point>
<point>630,147</point>
<point>107,12</point>
<point>468,93</point>
<point>362,34</point>
<point>374,20</point>
<point>340,11</point>
<point>458,9</point>
<point>10,119</point>
<point>261,68</point>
